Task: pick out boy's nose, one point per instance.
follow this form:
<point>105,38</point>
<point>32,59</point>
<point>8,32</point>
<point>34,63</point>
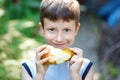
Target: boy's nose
<point>59,37</point>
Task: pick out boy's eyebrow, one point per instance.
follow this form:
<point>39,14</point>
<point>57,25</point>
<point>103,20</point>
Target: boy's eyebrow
<point>69,26</point>
<point>50,26</point>
<point>64,27</point>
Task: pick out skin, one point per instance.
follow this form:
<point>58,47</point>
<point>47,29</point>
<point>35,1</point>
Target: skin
<point>60,34</point>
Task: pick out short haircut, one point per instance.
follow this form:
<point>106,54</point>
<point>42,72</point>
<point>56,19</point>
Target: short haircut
<point>65,10</point>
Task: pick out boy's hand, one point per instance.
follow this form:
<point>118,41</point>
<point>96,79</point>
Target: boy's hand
<point>40,66</point>
<point>76,61</point>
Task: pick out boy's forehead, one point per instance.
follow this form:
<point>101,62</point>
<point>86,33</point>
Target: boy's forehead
<point>59,23</point>
<point>46,20</point>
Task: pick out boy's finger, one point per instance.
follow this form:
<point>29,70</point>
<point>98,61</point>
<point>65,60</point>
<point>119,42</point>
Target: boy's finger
<point>76,59</point>
<point>40,54</point>
<point>40,48</point>
<point>45,59</point>
<point>77,51</point>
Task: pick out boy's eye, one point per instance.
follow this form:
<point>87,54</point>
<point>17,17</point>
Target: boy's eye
<point>51,29</point>
<point>67,30</point>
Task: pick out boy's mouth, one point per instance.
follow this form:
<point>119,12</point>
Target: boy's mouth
<point>59,45</point>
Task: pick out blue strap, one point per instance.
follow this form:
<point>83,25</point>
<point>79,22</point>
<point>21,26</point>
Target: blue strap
<point>27,69</point>
<point>87,70</point>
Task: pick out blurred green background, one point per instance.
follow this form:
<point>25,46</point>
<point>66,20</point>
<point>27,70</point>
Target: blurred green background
<point>19,35</point>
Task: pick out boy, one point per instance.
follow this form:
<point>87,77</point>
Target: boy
<point>59,26</point>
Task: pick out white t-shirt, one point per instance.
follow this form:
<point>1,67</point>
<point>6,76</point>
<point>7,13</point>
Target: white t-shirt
<point>59,71</point>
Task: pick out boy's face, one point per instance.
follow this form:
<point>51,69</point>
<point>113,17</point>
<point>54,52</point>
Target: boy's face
<point>60,34</point>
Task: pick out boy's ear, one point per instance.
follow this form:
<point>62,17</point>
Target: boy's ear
<point>41,28</point>
<point>77,28</point>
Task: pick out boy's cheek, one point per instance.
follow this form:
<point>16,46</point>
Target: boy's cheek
<point>70,37</point>
<point>49,36</point>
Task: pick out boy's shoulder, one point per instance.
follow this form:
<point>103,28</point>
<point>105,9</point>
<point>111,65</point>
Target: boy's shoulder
<point>30,66</point>
<point>86,63</point>
<point>29,62</point>
<point>86,60</point>
<point>85,67</point>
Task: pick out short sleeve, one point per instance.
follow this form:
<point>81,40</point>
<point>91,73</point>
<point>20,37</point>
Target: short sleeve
<point>85,67</point>
<point>32,66</point>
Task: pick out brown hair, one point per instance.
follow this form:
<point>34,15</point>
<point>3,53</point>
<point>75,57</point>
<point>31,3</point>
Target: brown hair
<point>60,9</point>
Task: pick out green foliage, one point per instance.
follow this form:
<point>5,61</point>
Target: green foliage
<point>3,24</point>
<point>9,72</point>
<point>3,27</point>
<point>2,2</point>
<point>113,71</point>
<point>102,76</point>
<point>17,24</point>
<point>22,8</point>
<point>14,47</point>
<point>2,73</point>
